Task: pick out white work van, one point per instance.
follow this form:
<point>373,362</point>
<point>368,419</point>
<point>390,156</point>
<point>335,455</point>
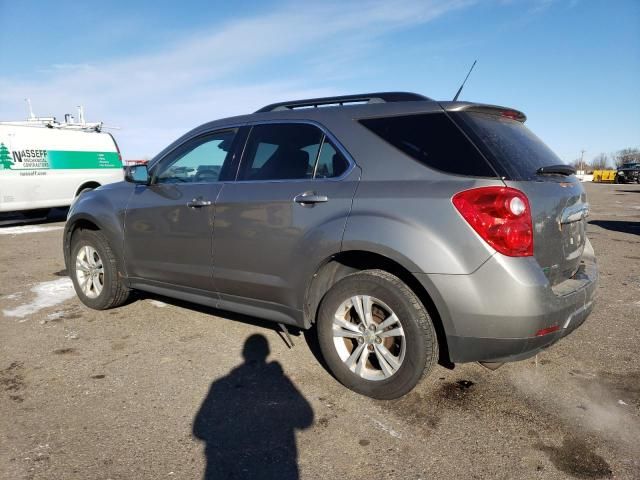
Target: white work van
<point>46,164</point>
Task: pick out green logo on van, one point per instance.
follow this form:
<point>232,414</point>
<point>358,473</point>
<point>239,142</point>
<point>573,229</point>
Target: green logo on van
<point>31,159</point>
<point>5,158</point>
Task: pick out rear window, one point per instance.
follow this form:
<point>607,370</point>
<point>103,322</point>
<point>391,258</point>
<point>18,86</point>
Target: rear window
<point>515,151</point>
<point>434,140</point>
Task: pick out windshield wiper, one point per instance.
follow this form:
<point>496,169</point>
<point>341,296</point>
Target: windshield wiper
<point>560,169</point>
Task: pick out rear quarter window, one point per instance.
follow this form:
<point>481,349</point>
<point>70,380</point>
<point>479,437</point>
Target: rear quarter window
<point>433,140</point>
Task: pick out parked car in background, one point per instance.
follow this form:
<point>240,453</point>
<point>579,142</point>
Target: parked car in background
<point>405,230</point>
<point>46,164</point>
<point>628,173</point>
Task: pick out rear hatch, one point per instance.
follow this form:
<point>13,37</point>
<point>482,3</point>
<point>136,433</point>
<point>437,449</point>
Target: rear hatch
<point>558,201</point>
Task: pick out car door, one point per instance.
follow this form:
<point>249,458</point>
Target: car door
<point>169,223</point>
<point>284,214</point>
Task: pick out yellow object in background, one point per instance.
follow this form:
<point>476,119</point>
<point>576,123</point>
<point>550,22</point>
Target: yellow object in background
<point>604,175</point>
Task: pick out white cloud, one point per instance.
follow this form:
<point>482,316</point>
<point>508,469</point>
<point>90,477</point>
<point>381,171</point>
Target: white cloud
<point>225,70</point>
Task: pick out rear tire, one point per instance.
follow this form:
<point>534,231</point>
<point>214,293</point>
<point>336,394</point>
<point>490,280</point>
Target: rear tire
<point>397,327</point>
<point>94,272</point>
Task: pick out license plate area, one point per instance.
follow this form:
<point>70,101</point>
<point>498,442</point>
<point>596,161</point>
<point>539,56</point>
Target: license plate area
<point>573,239</point>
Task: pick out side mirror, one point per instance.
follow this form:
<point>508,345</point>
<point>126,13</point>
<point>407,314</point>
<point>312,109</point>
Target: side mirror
<point>137,174</point>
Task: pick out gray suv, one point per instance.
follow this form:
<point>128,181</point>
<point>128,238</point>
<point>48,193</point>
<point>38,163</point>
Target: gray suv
<point>406,231</point>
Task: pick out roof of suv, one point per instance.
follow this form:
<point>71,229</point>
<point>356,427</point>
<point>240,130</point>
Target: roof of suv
<point>358,106</point>
<point>327,110</point>
<point>357,99</point>
<point>367,105</point>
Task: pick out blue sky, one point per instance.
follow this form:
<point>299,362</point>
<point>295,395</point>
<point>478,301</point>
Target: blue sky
<point>157,69</point>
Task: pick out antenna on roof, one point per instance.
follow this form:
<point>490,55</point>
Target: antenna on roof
<point>465,81</point>
<point>31,115</point>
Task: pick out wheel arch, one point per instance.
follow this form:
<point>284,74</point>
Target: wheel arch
<point>85,221</point>
<point>71,227</point>
<point>89,184</point>
<point>338,266</point>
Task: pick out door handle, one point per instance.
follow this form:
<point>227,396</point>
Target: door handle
<point>310,198</point>
<point>198,203</point>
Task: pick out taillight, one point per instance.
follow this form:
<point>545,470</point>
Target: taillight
<point>501,216</point>
<point>117,149</point>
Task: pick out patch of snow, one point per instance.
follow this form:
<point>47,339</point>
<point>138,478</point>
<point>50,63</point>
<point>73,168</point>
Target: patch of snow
<point>27,229</point>
<point>48,294</point>
<point>158,303</point>
<point>52,317</point>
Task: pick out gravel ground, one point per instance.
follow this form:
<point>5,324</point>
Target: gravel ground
<point>161,389</point>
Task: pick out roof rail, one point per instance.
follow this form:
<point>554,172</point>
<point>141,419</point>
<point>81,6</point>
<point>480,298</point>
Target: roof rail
<point>380,97</point>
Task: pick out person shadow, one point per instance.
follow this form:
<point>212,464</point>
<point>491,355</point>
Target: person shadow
<point>249,418</point>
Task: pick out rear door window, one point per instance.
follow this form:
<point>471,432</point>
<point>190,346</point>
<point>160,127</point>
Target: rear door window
<point>434,140</point>
<point>516,152</point>
<point>281,152</point>
<point>290,151</point>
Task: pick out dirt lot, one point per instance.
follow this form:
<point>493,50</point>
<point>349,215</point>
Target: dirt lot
<point>160,389</point>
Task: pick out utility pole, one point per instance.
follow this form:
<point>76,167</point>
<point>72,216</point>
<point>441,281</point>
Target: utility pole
<point>582,160</point>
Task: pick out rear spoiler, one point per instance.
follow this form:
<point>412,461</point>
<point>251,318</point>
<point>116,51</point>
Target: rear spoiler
<point>486,109</point>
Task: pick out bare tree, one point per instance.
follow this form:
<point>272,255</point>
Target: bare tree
<point>627,155</point>
<point>575,164</point>
<point>599,162</point>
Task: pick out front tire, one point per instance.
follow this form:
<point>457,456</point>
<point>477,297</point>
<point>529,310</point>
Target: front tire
<point>94,272</point>
<point>375,335</point>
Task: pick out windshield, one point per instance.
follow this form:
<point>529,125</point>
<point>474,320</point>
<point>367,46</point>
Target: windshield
<point>516,151</point>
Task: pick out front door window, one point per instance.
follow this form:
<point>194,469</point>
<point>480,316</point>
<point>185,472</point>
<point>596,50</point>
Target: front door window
<point>201,161</point>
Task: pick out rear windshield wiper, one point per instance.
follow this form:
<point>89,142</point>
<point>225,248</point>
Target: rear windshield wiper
<point>560,169</point>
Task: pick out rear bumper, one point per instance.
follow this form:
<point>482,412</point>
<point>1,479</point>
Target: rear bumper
<point>493,314</point>
<point>471,349</point>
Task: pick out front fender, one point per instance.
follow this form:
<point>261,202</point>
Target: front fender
<point>103,209</point>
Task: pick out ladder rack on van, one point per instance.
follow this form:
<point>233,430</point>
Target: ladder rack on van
<point>50,122</point>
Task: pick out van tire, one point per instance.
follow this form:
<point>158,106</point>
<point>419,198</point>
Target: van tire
<point>37,213</point>
<point>419,336</point>
<point>113,291</point>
